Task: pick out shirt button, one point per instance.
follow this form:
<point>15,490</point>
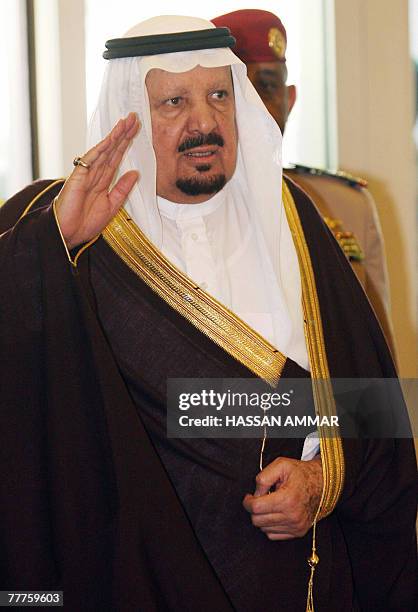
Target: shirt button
<point>194,236</point>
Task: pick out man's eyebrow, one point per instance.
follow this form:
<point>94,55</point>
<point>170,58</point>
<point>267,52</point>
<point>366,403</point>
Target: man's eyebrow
<point>171,92</point>
<point>220,85</point>
<point>268,72</point>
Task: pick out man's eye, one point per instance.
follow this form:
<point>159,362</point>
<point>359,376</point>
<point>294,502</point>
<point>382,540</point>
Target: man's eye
<point>266,86</point>
<point>221,94</point>
<point>173,101</point>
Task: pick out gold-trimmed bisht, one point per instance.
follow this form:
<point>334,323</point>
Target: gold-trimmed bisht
<point>332,457</point>
<point>238,339</point>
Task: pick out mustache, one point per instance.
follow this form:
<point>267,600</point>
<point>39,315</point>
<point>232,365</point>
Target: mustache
<point>200,141</point>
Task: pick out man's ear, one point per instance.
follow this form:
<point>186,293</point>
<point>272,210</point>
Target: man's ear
<point>291,97</point>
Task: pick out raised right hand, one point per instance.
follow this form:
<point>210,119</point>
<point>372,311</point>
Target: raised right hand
<point>85,205</point>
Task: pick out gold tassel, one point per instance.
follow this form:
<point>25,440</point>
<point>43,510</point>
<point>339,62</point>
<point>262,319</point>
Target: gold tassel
<point>313,561</point>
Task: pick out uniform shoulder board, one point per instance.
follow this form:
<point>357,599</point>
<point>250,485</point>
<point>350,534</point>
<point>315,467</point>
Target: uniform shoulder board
<point>349,179</point>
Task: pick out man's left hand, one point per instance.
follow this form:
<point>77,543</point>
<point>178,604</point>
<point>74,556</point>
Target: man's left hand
<point>289,511</point>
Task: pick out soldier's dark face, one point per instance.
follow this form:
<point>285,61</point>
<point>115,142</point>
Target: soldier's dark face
<point>269,79</point>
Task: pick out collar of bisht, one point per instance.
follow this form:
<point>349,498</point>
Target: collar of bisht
<point>155,44</point>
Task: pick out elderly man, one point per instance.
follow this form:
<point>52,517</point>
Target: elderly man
<point>170,253</point>
<point>343,200</point>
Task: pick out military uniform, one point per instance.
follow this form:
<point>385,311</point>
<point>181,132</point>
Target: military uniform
<point>350,212</point>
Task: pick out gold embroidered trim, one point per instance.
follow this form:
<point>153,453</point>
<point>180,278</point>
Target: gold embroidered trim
<point>202,310</point>
<point>39,195</point>
<point>54,209</point>
<point>85,246</point>
<point>332,456</point>
<point>74,261</point>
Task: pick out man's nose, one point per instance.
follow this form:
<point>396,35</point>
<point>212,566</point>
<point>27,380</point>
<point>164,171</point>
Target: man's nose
<point>202,118</point>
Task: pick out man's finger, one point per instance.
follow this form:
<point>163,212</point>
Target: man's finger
<point>93,154</point>
<point>271,520</point>
<point>265,504</point>
<point>278,530</point>
<point>121,190</point>
<point>275,537</point>
<point>273,474</point>
<point>86,179</point>
<point>131,121</point>
<point>136,124</point>
<point>109,142</point>
<point>122,145</point>
<point>113,156</point>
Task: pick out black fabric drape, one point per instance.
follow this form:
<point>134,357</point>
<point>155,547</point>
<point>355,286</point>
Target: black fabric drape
<point>87,505</point>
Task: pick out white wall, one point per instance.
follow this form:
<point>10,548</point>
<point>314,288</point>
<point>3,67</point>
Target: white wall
<point>15,140</point>
<point>61,90</point>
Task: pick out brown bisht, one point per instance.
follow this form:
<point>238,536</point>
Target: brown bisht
<point>97,502</point>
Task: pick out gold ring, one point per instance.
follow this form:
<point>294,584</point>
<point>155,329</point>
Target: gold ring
<point>77,161</point>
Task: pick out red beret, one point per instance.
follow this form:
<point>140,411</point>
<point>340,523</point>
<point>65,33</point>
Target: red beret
<point>260,35</point>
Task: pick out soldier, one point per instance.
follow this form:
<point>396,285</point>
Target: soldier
<point>344,202</point>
